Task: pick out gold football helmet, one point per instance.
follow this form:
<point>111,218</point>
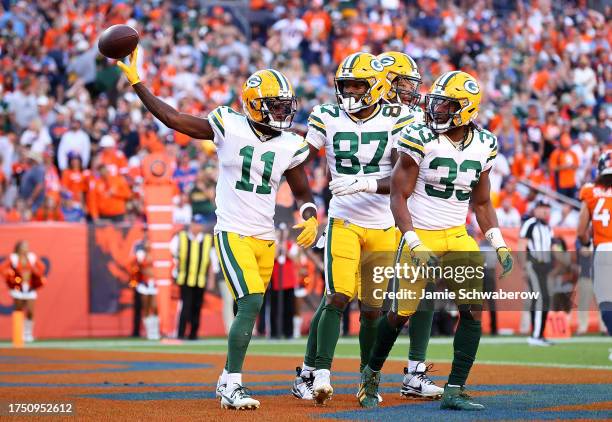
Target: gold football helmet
<point>268,99</point>
<point>360,67</point>
<point>453,100</point>
<point>403,78</point>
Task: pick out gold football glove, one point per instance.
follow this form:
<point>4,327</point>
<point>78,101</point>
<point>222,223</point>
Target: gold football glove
<point>422,255</point>
<point>309,232</point>
<point>130,70</point>
<point>505,259</point>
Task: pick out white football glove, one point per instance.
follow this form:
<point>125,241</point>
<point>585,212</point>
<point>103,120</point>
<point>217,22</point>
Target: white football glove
<point>347,185</point>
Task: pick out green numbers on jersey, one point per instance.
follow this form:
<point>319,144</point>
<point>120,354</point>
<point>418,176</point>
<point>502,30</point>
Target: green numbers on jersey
<point>343,155</point>
<point>245,182</point>
<point>448,181</point>
<point>425,136</point>
<point>331,109</point>
<point>391,110</point>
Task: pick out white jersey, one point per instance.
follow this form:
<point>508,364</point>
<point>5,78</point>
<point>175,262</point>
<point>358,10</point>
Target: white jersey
<point>250,171</point>
<point>360,148</point>
<point>447,174</point>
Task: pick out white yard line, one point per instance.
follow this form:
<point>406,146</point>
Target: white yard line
<point>143,346</point>
<point>105,344</point>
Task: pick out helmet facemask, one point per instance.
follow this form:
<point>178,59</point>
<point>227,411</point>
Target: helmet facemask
<point>276,112</point>
<point>442,113</point>
<point>352,103</point>
<point>406,90</point>
<point>604,166</point>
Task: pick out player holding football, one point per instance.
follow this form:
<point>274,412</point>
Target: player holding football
<point>359,135</point>
<point>442,165</point>
<point>255,151</point>
<point>595,212</point>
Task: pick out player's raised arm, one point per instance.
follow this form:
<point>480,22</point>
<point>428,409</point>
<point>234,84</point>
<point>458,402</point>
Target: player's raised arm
<point>487,221</point>
<point>196,127</point>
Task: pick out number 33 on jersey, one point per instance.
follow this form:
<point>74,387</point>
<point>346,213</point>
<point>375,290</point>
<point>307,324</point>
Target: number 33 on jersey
<point>359,148</point>
<point>447,173</point>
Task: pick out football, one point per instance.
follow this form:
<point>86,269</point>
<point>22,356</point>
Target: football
<point>118,41</point>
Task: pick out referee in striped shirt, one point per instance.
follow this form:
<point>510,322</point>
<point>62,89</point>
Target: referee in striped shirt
<point>536,239</point>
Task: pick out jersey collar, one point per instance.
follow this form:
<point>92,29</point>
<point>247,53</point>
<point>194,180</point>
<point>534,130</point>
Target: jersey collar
<point>260,135</point>
<point>370,117</point>
<point>462,146</point>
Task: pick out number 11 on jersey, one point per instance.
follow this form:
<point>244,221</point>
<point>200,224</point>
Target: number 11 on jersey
<point>245,182</point>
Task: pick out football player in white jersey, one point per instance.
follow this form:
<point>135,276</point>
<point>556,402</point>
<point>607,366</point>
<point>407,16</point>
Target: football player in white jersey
<point>442,166</point>
<point>255,151</point>
<point>404,81</point>
<point>359,135</point>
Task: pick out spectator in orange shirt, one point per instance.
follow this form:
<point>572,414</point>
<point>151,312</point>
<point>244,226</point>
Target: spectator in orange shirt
<point>108,195</point>
<point>550,131</point>
<point>148,138</point>
<point>564,163</point>
<point>52,179</point>
<point>319,26</point>
<point>50,211</point>
<point>509,191</point>
<point>114,159</point>
<point>19,213</point>
<point>75,179</point>
<point>525,163</point>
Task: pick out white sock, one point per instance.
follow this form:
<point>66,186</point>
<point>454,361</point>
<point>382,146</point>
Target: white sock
<point>147,326</point>
<point>233,381</point>
<point>452,385</point>
<point>306,370</point>
<point>154,327</point>
<point>412,365</point>
<point>297,326</point>
<point>224,376</point>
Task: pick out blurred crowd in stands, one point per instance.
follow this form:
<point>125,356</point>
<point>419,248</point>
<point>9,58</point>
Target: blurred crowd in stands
<point>73,134</point>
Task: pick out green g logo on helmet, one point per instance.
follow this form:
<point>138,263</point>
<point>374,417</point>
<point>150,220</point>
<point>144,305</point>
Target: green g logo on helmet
<point>387,60</point>
<point>471,86</point>
<point>254,81</point>
<point>376,65</point>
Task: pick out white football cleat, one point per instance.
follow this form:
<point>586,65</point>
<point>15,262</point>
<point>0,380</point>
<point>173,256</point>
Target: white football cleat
<point>322,390</point>
<point>542,342</point>
<point>239,399</point>
<point>418,384</point>
<point>220,389</point>
<point>302,385</point>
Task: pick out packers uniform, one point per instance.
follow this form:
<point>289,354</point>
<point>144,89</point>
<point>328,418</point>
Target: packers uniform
<point>361,222</point>
<point>250,171</point>
<point>447,175</point>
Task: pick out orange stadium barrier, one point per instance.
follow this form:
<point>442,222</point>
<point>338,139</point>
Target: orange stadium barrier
<point>87,293</point>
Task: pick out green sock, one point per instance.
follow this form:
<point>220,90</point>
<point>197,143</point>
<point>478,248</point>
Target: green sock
<point>385,339</point>
<point>328,332</point>
<point>419,329</point>
<point>465,346</point>
<point>311,344</point>
<point>241,331</point>
<point>367,337</point>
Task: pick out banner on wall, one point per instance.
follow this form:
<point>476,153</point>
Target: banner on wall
<point>111,248</point>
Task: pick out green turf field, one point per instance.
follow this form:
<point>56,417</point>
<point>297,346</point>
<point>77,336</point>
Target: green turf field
<point>579,352</point>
